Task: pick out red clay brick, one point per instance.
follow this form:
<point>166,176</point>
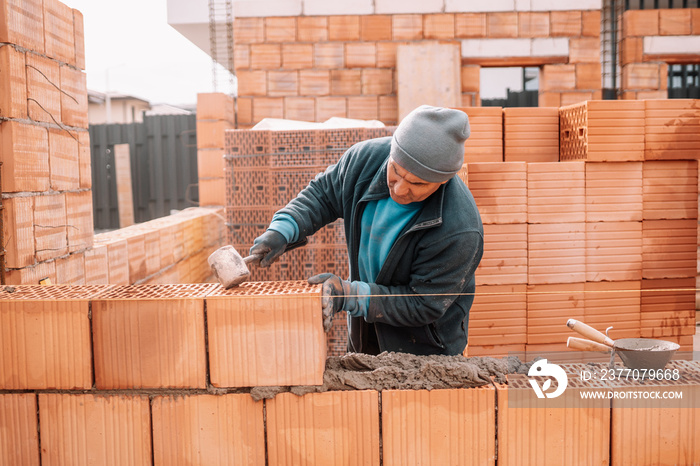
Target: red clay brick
<point>84,160</point>
<point>470,25</point>
<point>70,270</point>
<point>32,275</point>
<point>74,97</point>
<point>214,106</point>
<point>631,50</point>
<point>500,191</point>
<point>505,255</point>
<point>44,98</point>
<point>556,192</point>
<point>584,50</point>
<point>329,55</point>
<point>297,56</point>
<point>667,308</point>
<point>616,304</point>
<point>565,23</point>
<point>18,225</point>
<point>670,189</point>
<point>104,429</point>
<point>556,253</point>
<point>13,83</point>
<point>360,55</point>
<point>240,327</point>
<point>340,427</point>
<point>558,78</point>
<point>59,36</point>
<point>614,191</point>
<point>548,308</point>
<point>588,76</point>
<point>523,418</point>
<point>471,78</point>
<point>47,330</point>
<point>386,54</point>
<point>211,133</point>
<point>438,426</point>
<point>300,108</point>
<point>671,129</point>
<point>346,82</point>
<point>502,25</point>
<point>282,83</point>
<point>499,315</point>
<point>486,141</point>
<point>695,19</point>
<point>439,26</point>
<point>531,134</point>
<point>79,217</point>
<point>64,164</point>
<point>375,27</point>
<point>314,82</point>
<point>344,28</point>
<point>20,441</point>
<point>312,28</point>
<point>388,109</point>
<point>280,29</point>
<point>79,40</point>
<point>590,23</point>
<point>249,31</point>
<point>327,107</point>
<point>265,56</point>
<point>22,23</point>
<point>533,24</point>
<point>377,81</point>
<point>50,226</point>
<point>613,251</point>
<point>407,27</point>
<point>25,157</point>
<point>245,110</point>
<point>666,254</point>
<point>150,336</point>
<point>97,266</point>
<point>363,107</point>
<point>204,429</point>
<point>252,83</point>
<point>640,23</point>
<point>675,22</point>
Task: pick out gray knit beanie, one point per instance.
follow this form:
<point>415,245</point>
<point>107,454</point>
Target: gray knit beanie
<point>429,142</point>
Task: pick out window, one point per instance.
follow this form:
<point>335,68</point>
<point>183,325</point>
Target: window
<point>656,4</point>
<point>683,81</point>
<point>509,87</point>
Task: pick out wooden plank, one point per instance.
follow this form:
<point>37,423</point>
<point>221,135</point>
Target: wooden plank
<point>428,73</point>
<point>125,198</point>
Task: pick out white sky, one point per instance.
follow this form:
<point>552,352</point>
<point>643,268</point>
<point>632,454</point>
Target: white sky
<point>132,42</point>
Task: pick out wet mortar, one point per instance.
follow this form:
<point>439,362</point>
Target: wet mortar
<point>401,371</point>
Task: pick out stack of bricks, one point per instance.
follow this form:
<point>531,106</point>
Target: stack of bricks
<point>45,150</point>
<point>650,41</point>
<point>215,115</point>
<point>163,374</point>
<point>607,235</point>
<point>265,170</point>
<point>531,134</point>
<point>172,249</point>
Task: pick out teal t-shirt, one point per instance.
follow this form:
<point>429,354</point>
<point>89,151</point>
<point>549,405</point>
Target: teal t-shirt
<point>382,222</point>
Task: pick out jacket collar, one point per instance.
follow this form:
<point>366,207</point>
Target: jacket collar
<point>430,215</point>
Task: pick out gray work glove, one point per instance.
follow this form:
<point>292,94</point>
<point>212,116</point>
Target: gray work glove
<point>270,245</point>
<point>337,295</point>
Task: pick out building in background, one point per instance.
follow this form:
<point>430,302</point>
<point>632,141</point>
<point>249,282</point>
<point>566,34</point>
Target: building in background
<point>124,108</point>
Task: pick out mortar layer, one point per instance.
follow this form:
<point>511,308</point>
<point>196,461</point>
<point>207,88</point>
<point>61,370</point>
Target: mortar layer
<point>402,371</point>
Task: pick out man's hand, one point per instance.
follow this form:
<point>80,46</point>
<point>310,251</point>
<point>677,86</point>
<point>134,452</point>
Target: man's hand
<point>340,295</point>
<point>270,245</point>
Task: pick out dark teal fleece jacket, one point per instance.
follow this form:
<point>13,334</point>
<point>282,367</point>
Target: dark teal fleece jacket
<point>422,295</point>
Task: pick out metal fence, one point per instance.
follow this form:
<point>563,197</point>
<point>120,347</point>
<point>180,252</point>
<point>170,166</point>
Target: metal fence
<point>163,153</point>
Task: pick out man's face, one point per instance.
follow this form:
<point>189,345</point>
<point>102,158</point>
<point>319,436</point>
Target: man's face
<point>405,187</point>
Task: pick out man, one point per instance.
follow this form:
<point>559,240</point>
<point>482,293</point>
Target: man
<point>413,232</point>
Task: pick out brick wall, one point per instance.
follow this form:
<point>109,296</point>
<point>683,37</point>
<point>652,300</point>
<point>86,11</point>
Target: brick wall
<point>344,65</point>
<point>146,374</point>
<point>45,155</point>
<point>651,40</point>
